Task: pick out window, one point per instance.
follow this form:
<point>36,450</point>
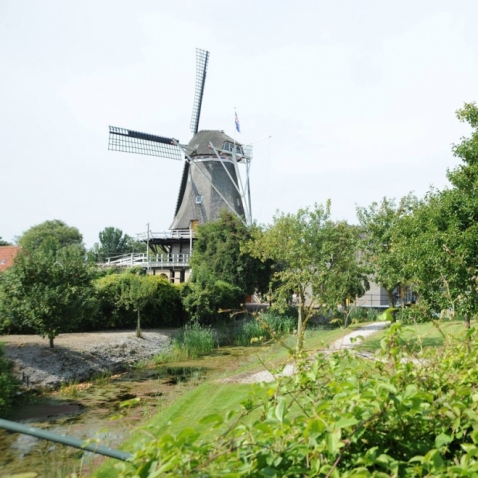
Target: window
<point>231,147</point>
<point>198,199</point>
<point>3,261</point>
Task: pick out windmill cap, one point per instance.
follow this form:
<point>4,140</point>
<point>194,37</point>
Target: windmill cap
<point>200,141</point>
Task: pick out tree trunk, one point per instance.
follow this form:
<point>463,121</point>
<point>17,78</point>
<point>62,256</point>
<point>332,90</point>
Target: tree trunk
<point>50,337</point>
<point>391,303</point>
<point>138,326</point>
<point>300,332</point>
<point>467,322</point>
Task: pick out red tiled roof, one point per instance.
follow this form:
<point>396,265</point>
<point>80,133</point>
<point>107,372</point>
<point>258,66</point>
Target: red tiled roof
<point>7,254</point>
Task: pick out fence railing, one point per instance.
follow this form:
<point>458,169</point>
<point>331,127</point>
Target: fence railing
<point>161,261</point>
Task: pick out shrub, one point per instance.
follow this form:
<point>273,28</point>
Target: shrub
<point>9,385</point>
<point>163,308</point>
<point>205,297</point>
<point>413,314</point>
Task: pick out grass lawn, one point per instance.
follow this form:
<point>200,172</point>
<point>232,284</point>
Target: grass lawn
<point>216,397</point>
<point>419,336</point>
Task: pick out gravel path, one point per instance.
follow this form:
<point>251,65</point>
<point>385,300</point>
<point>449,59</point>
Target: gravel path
<point>79,356</point>
<point>344,342</point>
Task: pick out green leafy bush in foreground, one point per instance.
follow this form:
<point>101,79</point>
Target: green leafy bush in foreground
<point>342,416</point>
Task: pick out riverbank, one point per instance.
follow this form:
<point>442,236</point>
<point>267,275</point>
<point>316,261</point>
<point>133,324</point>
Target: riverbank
<point>77,357</point>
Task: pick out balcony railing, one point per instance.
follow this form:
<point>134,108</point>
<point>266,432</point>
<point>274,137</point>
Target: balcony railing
<point>158,261</point>
<point>166,235</point>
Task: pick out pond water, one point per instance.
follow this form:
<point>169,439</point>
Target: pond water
<point>96,411</point>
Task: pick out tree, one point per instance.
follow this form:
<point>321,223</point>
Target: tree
<point>217,250</point>
<point>381,224</point>
<point>113,243</point>
<point>136,292</point>
<point>56,233</point>
<point>4,243</point>
<point>442,236</point>
<point>316,257</point>
<point>47,290</point>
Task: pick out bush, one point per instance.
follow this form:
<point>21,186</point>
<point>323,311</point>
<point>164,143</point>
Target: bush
<point>205,297</point>
<point>341,415</point>
<point>9,385</point>
<point>413,314</point>
<point>163,308</point>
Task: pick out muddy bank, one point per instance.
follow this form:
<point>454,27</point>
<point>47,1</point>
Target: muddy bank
<point>78,357</point>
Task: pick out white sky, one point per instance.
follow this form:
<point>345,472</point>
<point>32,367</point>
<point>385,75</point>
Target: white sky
<point>359,97</point>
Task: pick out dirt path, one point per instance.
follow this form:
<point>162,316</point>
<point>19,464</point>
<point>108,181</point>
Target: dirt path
<point>345,342</point>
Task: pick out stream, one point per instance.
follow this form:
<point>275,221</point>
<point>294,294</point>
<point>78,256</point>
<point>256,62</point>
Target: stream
<point>97,410</point>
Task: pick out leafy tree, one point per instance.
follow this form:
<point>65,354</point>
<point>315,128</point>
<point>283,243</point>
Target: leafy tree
<point>113,243</point>
<point>442,236</point>
<point>47,290</point>
<point>4,243</point>
<point>205,296</point>
<point>116,308</point>
<point>56,233</point>
<point>136,292</point>
<point>217,250</point>
<point>317,260</point>
<point>381,224</point>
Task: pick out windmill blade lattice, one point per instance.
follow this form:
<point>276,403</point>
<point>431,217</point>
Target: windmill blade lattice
<point>129,141</point>
<point>202,58</point>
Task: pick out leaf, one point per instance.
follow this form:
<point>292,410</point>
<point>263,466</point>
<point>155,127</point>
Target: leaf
<point>442,440</point>
<point>213,419</point>
<point>346,422</point>
<point>280,409</point>
<point>333,442</point>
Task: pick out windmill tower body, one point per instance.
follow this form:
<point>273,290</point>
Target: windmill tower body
<point>210,181</point>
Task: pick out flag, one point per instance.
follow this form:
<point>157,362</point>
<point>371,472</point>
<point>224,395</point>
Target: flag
<point>238,126</point>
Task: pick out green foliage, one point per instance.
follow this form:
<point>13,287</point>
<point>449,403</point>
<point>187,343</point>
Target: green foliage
<point>113,242</point>
<point>381,225</point>
<point>341,416</point>
<point>48,291</point>
<point>192,341</point>
<point>206,296</point>
<point>316,259</point>
<point>115,294</point>
<point>9,385</point>
<point>217,250</point>
<point>415,314</point>
<point>55,234</point>
<point>363,314</point>
<point>264,327</point>
<point>440,239</point>
<point>3,242</point>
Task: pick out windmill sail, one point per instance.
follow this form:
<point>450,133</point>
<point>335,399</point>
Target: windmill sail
<point>202,58</point>
<point>129,141</point>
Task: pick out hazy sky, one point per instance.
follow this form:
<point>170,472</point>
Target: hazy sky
<point>358,96</point>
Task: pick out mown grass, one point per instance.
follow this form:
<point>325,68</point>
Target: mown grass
<point>419,336</point>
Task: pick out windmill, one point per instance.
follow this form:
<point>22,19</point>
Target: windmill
<point>210,180</point>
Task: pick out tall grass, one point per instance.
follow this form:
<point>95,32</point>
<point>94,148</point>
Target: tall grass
<point>190,342</point>
<point>259,329</point>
